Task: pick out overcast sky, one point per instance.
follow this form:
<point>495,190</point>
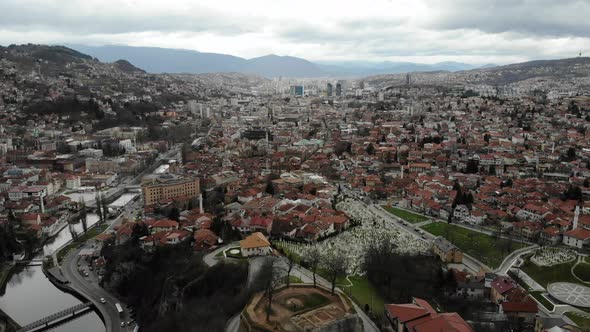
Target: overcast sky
<point>428,31</point>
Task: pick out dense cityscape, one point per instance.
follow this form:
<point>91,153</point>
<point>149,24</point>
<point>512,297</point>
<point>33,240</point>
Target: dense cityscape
<point>418,201</point>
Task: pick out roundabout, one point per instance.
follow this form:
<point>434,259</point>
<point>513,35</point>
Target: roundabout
<point>570,293</point>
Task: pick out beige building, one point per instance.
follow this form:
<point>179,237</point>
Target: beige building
<point>447,252</point>
<point>168,186</point>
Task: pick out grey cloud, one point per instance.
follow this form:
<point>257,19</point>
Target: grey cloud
<point>550,18</point>
<point>26,15</point>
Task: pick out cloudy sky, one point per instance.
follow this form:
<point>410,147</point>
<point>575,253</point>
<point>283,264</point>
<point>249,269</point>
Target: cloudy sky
<point>427,31</point>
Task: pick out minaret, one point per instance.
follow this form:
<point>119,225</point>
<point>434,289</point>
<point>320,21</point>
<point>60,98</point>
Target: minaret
<point>42,204</point>
<point>576,217</point>
<point>201,211</point>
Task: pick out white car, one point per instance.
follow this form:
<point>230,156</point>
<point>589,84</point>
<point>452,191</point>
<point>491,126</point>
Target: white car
<point>102,300</point>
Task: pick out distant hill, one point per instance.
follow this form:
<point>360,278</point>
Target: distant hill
<point>274,65</point>
<point>164,60</point>
<point>127,67</point>
<point>557,69</point>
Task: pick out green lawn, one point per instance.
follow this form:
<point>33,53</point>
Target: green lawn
<point>230,255</point>
<point>405,215</point>
<point>295,280</point>
<point>363,292</point>
<point>579,320</point>
<point>538,295</point>
<point>549,274</point>
<point>92,232</point>
<point>314,300</point>
<point>487,249</point>
<point>582,270</point>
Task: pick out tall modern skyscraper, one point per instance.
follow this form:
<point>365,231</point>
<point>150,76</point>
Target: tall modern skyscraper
<point>330,89</point>
<point>338,89</point>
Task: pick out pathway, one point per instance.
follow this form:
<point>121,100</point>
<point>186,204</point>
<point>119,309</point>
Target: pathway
<point>579,260</point>
<point>535,286</point>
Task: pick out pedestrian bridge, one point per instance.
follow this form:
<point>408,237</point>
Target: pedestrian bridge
<point>32,262</point>
<point>44,322</point>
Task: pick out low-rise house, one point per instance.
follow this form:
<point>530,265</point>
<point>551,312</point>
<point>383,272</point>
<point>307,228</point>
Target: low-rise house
<point>255,244</point>
<point>446,251</point>
<point>500,288</point>
<point>205,239</point>
<point>164,225</point>
<point>524,311</point>
<point>577,238</point>
<point>419,316</point>
<point>551,235</point>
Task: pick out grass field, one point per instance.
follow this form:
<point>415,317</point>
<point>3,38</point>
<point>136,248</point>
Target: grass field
<point>295,280</point>
<point>363,292</point>
<point>582,270</point>
<point>549,274</point>
<point>538,295</point>
<point>405,215</point>
<point>579,320</point>
<point>487,249</point>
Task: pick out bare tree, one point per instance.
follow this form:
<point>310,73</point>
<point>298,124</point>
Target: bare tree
<point>269,279</point>
<point>290,263</point>
<point>314,258</point>
<point>335,264</point>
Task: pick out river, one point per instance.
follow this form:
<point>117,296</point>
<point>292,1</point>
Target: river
<point>30,296</point>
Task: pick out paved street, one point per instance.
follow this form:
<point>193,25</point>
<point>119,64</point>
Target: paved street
<point>93,292</point>
<point>88,286</point>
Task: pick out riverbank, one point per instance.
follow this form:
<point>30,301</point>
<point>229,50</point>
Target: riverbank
<point>92,232</point>
<point>10,324</point>
<point>5,272</point>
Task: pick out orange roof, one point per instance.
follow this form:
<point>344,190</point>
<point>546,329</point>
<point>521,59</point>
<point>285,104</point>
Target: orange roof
<point>406,312</point>
<point>255,240</point>
<point>165,223</point>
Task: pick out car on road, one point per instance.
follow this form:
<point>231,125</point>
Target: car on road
<point>122,324</point>
<point>102,300</point>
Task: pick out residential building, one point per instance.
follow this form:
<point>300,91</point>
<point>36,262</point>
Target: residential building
<point>168,186</point>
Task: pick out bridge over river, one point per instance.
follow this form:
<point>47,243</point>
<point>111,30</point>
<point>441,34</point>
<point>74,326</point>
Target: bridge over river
<point>58,316</point>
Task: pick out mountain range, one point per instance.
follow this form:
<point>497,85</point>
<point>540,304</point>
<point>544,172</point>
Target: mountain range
<point>166,60</point>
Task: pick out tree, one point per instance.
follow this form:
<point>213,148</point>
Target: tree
<point>269,279</point>
<point>313,258</point>
<point>174,214</point>
<point>335,264</point>
<point>471,166</point>
<point>289,265</point>
<point>269,188</point>
<point>370,149</point>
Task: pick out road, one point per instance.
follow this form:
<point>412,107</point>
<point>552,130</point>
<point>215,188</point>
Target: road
<point>93,292</point>
<point>88,286</point>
